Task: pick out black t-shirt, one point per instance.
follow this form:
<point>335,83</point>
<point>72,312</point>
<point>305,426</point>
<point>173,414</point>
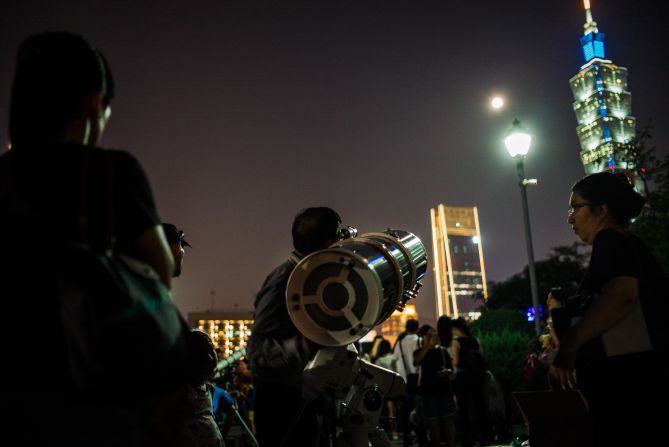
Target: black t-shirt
<point>44,189</point>
<point>616,254</point>
<point>432,382</point>
<point>42,193</point>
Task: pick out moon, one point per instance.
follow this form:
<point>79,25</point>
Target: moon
<point>497,103</point>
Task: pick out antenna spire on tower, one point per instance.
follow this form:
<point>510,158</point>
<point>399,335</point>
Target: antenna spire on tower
<point>590,25</point>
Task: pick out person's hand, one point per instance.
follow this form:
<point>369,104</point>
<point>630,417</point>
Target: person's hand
<point>563,367</point>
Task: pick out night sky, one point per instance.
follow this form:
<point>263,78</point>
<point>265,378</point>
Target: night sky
<point>244,112</point>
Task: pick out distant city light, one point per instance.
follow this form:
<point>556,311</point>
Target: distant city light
<point>497,103</point>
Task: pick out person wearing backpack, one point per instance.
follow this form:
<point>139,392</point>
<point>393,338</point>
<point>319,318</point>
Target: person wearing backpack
<point>470,381</point>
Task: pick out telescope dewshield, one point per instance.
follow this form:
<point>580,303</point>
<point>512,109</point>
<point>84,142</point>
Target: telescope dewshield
<point>335,296</point>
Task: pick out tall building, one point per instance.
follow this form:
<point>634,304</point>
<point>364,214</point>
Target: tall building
<point>602,103</point>
<point>229,331</point>
<point>459,269</point>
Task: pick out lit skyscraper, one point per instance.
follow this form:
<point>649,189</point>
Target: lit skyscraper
<point>602,103</point>
<point>459,270</point>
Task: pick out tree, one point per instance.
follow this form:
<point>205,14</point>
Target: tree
<point>651,175</point>
<point>638,157</point>
<point>564,268</point>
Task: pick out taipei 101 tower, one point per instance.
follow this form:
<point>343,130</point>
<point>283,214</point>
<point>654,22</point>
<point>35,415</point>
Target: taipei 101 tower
<point>602,103</point>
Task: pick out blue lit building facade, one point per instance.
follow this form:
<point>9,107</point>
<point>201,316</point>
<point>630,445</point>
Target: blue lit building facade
<point>603,105</point>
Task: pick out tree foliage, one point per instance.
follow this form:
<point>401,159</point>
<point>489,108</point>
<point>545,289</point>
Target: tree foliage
<point>497,321</point>
<point>652,177</point>
<point>564,268</point>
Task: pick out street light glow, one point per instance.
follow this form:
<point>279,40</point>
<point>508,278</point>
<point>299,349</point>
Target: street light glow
<point>497,103</point>
<point>518,141</point>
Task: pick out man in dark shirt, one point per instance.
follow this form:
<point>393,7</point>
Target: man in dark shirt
<point>278,351</point>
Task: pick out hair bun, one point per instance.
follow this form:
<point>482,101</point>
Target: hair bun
<point>633,204</point>
<point>630,201</point>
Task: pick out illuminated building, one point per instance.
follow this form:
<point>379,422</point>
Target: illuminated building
<point>229,331</point>
<point>603,106</point>
<point>394,325</point>
<point>459,269</point>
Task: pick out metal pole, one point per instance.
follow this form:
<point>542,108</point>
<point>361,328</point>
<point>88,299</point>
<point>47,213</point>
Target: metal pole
<point>528,239</point>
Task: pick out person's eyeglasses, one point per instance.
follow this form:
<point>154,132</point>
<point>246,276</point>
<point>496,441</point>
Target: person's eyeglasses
<point>577,206</point>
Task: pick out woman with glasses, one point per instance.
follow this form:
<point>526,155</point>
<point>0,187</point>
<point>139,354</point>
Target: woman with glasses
<point>612,348</point>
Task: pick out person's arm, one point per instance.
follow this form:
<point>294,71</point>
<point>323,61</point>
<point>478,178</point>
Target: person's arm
<point>617,300</point>
<point>455,352</point>
<point>395,363</point>
<point>154,250</point>
<point>137,225</point>
<point>268,346</point>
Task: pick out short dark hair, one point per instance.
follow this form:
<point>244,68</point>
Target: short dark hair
<point>461,324</point>
<point>55,71</point>
<point>411,325</point>
<point>613,189</point>
<point>203,354</point>
<point>384,348</point>
<point>423,330</point>
<point>313,228</point>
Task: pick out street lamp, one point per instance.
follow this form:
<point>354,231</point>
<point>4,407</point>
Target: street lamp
<point>518,144</point>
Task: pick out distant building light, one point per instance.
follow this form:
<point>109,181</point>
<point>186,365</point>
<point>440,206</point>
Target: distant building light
<point>473,316</point>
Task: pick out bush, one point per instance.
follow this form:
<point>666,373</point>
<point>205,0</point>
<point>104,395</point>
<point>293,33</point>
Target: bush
<point>505,355</point>
<point>496,321</point>
<point>505,336</point>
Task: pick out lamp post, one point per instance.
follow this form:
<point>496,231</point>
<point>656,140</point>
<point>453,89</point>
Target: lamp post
<point>518,144</point>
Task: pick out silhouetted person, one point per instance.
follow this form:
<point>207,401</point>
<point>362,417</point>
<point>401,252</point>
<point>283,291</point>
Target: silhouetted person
<point>470,385</point>
<point>618,336</point>
<point>185,417</point>
<point>278,351</point>
<point>435,394</point>
<point>406,344</point>
<point>52,196</point>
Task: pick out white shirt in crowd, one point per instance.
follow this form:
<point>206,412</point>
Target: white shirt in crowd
<point>409,345</point>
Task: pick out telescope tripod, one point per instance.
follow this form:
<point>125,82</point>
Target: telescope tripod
<point>361,386</point>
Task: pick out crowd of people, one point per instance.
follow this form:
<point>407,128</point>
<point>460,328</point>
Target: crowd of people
<point>446,380</point>
<point>65,201</point>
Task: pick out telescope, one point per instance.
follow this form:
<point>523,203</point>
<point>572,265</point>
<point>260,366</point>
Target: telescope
<point>335,297</point>
<point>222,364</point>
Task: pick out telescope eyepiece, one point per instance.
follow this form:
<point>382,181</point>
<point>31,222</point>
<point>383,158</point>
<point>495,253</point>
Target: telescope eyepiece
<point>347,233</point>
